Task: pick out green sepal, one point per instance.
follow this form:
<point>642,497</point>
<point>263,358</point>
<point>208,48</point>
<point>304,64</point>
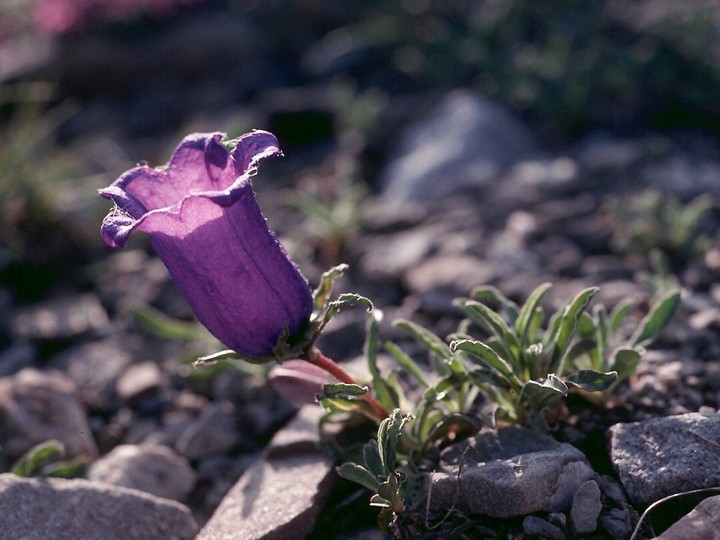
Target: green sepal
<point>324,288</point>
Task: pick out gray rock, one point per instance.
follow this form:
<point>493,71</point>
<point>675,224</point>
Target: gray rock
<point>601,153</point>
<point>617,523</point>
<point>280,496</point>
<point>525,472</point>
<point>96,366</point>
<point>662,456</point>
<point>702,523</point>
<point>154,469</point>
<point>683,175</point>
<point>16,357</point>
<point>465,142</point>
<point>538,527</point>
<point>59,318</point>
<point>586,507</point>
<point>458,273</point>
<point>390,255</point>
<point>38,406</point>
<point>214,431</point>
<point>42,508</point>
<point>139,380</point>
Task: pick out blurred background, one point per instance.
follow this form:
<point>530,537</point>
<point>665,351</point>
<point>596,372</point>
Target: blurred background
<point>92,87</point>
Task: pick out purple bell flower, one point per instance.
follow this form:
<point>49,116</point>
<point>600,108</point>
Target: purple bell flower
<point>205,224</point>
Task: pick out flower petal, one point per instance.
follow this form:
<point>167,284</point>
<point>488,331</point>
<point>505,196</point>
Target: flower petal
<point>205,224</point>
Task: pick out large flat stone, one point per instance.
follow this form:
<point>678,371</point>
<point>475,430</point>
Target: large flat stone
<point>659,457</point>
<point>44,508</point>
<point>509,472</point>
<point>281,495</point>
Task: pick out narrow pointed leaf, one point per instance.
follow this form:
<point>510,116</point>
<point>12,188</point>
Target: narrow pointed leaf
<point>484,355</point>
<point>452,429</point>
<point>659,316</point>
<point>592,381</point>
<point>488,292</point>
<point>426,338</point>
<point>618,314</point>
<point>528,311</point>
<point>31,461</point>
<point>566,328</point>
<point>386,395</point>
<point>625,362</point>
<point>408,363</point>
<point>493,322</point>
<point>537,394</point>
<point>160,324</point>
<point>371,456</point>
<point>358,474</point>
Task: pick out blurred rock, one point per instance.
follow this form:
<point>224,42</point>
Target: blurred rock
<point>656,458</point>
<point>600,152</point>
<point>37,406</point>
<point>138,381</point>
<point>96,366</point>
<point>16,357</point>
<point>214,431</point>
<point>684,176</point>
<point>465,142</point>
<point>154,469</point>
<point>280,496</point>
<point>702,523</point>
<point>586,507</point>
<point>60,318</point>
<point>617,523</point>
<point>390,255</point>
<point>42,508</point>
<point>525,472</point>
<point>534,526</point>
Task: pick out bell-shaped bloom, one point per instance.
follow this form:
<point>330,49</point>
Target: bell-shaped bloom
<point>205,224</point>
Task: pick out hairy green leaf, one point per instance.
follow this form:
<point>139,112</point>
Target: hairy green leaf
<point>486,293</point>
<point>408,363</point>
<point>528,311</point>
<point>659,316</point>
<point>426,338</point>
<point>566,328</point>
<point>489,320</point>
<point>358,474</point>
<point>484,355</point>
<point>592,381</point>
<point>625,362</point>
<point>34,458</point>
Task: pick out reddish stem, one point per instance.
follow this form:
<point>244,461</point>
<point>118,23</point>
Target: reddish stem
<point>318,359</point>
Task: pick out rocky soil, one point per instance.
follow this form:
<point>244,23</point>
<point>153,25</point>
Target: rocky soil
<point>454,190</point>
